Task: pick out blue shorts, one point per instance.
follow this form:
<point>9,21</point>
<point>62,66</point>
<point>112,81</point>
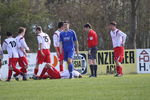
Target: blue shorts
<point>69,54</point>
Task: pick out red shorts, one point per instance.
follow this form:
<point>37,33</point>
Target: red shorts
<point>46,58</point>
<point>61,56</point>
<point>23,61</point>
<point>53,73</point>
<point>119,54</point>
<point>13,62</point>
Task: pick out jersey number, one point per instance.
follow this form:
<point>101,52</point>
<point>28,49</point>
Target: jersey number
<point>45,38</point>
<point>12,43</point>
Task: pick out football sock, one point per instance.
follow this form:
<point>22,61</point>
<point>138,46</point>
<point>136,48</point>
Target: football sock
<point>9,74</point>
<point>92,70</point>
<point>95,70</point>
<point>36,71</point>
<point>70,68</point>
<point>61,68</point>
<point>120,70</point>
<point>43,72</point>
<point>117,69</point>
<point>17,71</point>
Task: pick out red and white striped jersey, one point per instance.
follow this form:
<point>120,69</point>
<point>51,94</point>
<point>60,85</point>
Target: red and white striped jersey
<point>10,45</point>
<point>21,44</point>
<point>118,38</point>
<point>43,39</point>
<point>56,38</point>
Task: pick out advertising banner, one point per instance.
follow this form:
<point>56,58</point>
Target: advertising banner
<point>143,60</point>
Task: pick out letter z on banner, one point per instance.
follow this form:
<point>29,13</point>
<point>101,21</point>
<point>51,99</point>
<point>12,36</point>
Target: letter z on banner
<point>143,60</point>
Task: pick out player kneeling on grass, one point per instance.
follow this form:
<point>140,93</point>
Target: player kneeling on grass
<point>118,40</point>
<point>52,73</point>
<point>11,47</point>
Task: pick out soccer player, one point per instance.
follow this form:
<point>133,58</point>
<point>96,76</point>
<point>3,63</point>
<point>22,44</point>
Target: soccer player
<point>10,45</point>
<point>118,41</point>
<point>53,73</point>
<point>56,38</point>
<point>92,45</point>
<point>22,47</point>
<point>1,53</point>
<point>68,43</point>
<point>43,54</point>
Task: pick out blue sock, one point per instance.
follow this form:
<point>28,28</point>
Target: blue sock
<point>70,68</point>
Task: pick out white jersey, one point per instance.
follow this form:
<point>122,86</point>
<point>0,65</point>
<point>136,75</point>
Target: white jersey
<point>65,74</point>
<point>56,38</point>
<point>118,38</point>
<point>43,39</point>
<point>10,45</point>
<point>21,44</point>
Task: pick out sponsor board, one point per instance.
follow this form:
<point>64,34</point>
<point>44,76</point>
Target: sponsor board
<point>143,60</point>
<point>106,64</point>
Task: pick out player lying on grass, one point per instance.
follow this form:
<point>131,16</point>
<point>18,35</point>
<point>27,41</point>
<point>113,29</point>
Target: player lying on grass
<point>53,73</point>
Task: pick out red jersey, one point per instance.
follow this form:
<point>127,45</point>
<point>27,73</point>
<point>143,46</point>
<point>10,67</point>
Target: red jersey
<point>92,39</point>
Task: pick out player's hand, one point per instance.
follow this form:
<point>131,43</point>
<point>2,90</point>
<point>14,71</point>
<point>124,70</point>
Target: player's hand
<point>89,52</point>
<point>77,52</point>
<point>42,54</point>
<point>28,51</point>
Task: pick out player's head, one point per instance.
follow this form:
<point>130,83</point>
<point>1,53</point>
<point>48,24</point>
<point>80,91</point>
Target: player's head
<point>87,27</point>
<point>66,25</point>
<point>9,34</point>
<point>38,29</point>
<point>21,30</point>
<point>112,25</point>
<point>60,25</point>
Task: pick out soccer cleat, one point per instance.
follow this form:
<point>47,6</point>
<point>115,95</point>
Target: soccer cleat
<point>16,78</point>
<point>35,77</point>
<point>91,76</point>
<point>24,78</point>
<point>118,75</point>
<point>8,80</point>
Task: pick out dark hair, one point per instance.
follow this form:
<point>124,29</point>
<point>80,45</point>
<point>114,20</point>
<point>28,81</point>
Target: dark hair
<point>60,24</point>
<point>20,30</point>
<point>9,34</point>
<point>113,23</point>
<point>87,25</point>
<point>38,28</point>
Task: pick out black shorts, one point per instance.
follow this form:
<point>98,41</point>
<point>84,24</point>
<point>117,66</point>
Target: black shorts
<point>93,53</point>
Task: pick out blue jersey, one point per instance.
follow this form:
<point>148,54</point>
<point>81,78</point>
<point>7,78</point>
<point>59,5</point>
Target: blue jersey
<point>68,38</point>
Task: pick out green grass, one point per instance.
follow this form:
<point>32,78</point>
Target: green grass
<point>128,87</point>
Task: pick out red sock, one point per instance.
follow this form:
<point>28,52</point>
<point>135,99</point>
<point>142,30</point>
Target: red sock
<point>17,71</point>
<point>61,68</point>
<point>120,70</point>
<point>117,69</point>
<point>9,74</point>
<point>36,71</point>
<point>45,76</point>
<point>43,72</point>
<point>23,70</point>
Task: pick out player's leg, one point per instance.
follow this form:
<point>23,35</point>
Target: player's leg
<point>91,62</point>
<point>119,55</point>
<point>23,63</point>
<point>94,54</point>
<point>70,63</point>
<point>44,70</point>
<point>10,70</point>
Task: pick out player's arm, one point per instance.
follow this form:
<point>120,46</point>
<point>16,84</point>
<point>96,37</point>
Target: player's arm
<point>124,36</point>
<point>61,43</point>
<point>39,38</point>
<point>76,42</point>
<point>55,43</point>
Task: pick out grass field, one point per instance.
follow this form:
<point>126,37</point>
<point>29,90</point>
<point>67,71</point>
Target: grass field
<point>128,87</point>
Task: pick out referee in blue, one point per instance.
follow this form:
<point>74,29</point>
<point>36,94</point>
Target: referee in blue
<point>68,45</point>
